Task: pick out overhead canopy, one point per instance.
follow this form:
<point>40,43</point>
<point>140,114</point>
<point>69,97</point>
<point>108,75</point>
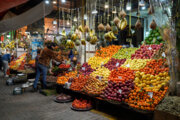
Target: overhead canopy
<point>8,4</point>
<point>26,18</point>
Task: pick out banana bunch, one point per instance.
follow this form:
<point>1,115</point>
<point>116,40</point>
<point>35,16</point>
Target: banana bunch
<point>80,28</point>
<point>63,32</point>
<point>70,44</point>
<point>110,36</point>
<point>122,24</point>
<point>91,33</point>
<point>93,40</point>
<point>74,37</point>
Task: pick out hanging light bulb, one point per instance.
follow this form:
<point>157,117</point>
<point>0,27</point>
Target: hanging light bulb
<point>54,26</point>
<point>94,11</point>
<point>75,19</point>
<point>68,23</point>
<point>128,6</point>
<point>142,3</point>
<point>85,16</point>
<point>106,6</point>
<point>143,8</point>
<point>47,1</point>
<point>63,1</point>
<point>54,2</point>
<point>114,10</point>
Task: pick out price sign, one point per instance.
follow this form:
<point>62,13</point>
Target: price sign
<point>117,64</point>
<point>150,48</point>
<point>102,63</point>
<point>150,94</point>
<point>100,78</point>
<point>120,91</point>
<point>127,65</point>
<point>83,68</point>
<point>119,77</point>
<point>163,54</point>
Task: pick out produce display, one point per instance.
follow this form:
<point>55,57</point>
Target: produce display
<point>19,63</point>
<point>146,51</point>
<point>82,104</point>
<point>135,64</point>
<point>64,66</point>
<point>124,53</point>
<point>154,37</point>
<point>151,82</point>
<point>94,86</point>
<point>96,62</point>
<point>66,77</point>
<point>118,91</point>
<point>86,69</point>
<point>79,82</point>
<point>101,73</point>
<point>108,51</point>
<point>144,99</point>
<point>121,75</point>
<point>154,67</point>
<point>114,63</point>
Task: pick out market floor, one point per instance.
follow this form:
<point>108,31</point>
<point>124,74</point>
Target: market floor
<point>34,106</point>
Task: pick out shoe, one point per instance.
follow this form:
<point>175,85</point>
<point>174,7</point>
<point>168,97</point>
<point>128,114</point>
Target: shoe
<point>34,89</point>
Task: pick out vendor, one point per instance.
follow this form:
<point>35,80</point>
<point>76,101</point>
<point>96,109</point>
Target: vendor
<point>43,63</point>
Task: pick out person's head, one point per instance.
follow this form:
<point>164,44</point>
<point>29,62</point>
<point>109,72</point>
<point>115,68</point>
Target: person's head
<point>7,51</point>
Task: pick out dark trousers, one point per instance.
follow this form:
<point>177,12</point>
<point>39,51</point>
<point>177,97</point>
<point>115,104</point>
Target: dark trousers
<point>40,69</point>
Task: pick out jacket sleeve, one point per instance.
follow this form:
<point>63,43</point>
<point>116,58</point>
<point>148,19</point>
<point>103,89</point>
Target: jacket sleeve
<point>55,55</point>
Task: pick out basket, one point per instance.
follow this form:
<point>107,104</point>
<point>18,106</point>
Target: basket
<point>76,109</point>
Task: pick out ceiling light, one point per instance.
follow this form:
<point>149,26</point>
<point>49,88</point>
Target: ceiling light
<point>63,1</point>
<point>47,1</point>
<point>143,8</point>
<point>142,3</point>
<point>106,6</point>
<point>94,11</point>
<point>54,2</point>
<point>128,6</point>
<point>85,16</point>
<point>75,19</point>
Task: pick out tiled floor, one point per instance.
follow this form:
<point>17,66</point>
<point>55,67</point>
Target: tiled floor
<point>34,106</point>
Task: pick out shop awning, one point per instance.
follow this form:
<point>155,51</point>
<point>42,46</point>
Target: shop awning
<point>26,18</point>
<point>8,4</point>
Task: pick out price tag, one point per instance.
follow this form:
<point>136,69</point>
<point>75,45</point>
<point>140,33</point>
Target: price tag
<point>117,64</point>
<point>150,48</point>
<point>120,91</point>
<point>102,63</point>
<point>127,65</point>
<point>150,94</point>
<point>100,78</point>
<point>163,54</point>
<point>83,68</point>
<point>119,77</point>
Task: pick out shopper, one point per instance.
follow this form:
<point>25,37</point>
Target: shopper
<point>6,58</point>
<point>43,63</point>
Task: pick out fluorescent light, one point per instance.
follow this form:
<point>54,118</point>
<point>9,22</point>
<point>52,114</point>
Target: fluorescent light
<point>128,6</point>
<point>54,2</point>
<point>47,1</point>
<point>142,3</point>
<point>106,6</point>
<point>63,1</point>
<point>94,11</point>
<point>85,17</point>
